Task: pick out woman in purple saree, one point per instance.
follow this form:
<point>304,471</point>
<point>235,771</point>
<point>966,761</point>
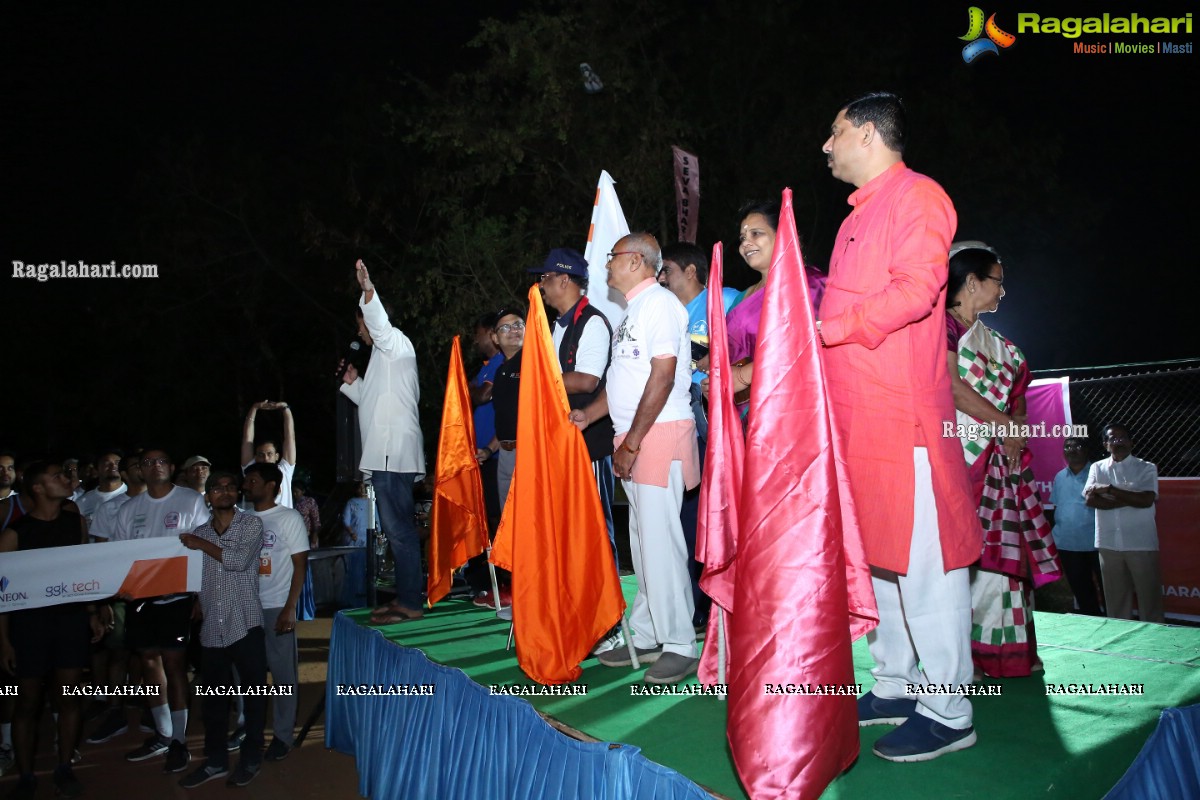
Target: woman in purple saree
<point>756,244</point>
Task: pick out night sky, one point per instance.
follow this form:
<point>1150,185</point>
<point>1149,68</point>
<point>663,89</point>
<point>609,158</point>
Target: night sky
<point>93,95</point>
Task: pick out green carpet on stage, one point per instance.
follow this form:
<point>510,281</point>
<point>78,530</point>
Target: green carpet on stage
<point>1031,744</point>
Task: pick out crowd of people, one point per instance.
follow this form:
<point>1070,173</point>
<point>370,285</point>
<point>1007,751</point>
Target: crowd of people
<point>953,529</point>
<point>254,567</point>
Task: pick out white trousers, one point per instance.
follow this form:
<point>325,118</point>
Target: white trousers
<point>924,632</point>
<point>662,608</point>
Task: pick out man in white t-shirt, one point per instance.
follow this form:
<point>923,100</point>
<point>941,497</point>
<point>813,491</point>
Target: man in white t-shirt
<point>1123,488</point>
<point>158,628</point>
<point>110,489</point>
<point>281,568</point>
<point>265,452</point>
<point>70,468</point>
<point>647,397</point>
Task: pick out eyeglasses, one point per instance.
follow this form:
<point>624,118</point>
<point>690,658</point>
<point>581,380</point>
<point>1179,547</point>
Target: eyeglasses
<point>511,326</point>
<point>548,275</point>
<point>150,462</point>
<point>616,253</point>
<point>994,278</point>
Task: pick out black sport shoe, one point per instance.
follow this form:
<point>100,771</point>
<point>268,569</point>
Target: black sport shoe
<point>875,710</point>
<point>113,725</point>
<point>922,739</point>
<point>65,782</point>
<point>204,774</point>
<point>235,741</point>
<point>178,757</point>
<point>25,788</point>
<point>277,751</point>
<point>154,746</point>
<point>243,774</point>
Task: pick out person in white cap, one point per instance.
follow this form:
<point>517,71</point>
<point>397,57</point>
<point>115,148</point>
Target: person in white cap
<point>196,470</point>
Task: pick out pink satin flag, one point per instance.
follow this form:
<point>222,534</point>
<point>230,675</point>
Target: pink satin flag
<point>803,584</point>
<point>717,527</point>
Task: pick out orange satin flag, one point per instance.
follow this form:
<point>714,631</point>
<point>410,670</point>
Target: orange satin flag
<point>458,528</point>
<point>552,536</point>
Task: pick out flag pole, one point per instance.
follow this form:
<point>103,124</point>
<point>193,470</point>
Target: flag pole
<point>721,647</point>
<point>495,583</point>
<point>636,664</point>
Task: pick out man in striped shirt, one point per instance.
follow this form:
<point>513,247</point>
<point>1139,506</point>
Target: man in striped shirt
<point>232,634</point>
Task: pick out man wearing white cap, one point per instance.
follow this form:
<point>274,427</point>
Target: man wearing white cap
<point>195,471</point>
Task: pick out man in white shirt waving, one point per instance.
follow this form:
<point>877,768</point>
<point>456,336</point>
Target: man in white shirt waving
<point>393,450</point>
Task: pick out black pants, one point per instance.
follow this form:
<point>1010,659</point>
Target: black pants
<point>249,655</point>
<point>1081,568</point>
<point>476,573</point>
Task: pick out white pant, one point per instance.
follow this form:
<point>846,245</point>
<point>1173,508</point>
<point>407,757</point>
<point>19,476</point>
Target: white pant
<point>662,608</point>
<point>925,617</point>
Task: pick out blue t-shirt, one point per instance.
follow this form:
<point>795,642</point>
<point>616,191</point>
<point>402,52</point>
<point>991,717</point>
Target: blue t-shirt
<point>1074,522</point>
<point>697,311</point>
<point>484,414</point>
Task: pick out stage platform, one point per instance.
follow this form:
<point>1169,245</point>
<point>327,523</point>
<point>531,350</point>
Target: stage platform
<point>464,742</point>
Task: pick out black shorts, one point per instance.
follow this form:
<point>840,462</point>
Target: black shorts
<point>154,626</point>
<point>115,638</point>
<point>50,638</point>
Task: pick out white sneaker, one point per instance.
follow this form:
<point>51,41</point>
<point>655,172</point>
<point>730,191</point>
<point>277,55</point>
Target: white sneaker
<point>609,643</point>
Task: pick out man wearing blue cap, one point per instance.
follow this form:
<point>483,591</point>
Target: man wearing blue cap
<point>582,339</point>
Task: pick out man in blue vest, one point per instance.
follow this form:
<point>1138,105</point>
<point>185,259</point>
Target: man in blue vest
<point>583,341</point>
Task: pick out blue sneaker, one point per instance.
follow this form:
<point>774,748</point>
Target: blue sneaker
<point>873,710</point>
<point>922,739</point>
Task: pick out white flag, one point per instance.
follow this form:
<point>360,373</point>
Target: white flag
<point>608,226</point>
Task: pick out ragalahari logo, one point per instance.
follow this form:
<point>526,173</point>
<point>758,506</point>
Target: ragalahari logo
<point>976,27</point>
<point>3,583</point>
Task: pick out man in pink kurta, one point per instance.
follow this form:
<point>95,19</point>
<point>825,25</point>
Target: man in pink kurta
<point>882,324</point>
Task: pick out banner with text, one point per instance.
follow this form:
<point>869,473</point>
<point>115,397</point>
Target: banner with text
<point>687,193</point>
<point>92,572</point>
